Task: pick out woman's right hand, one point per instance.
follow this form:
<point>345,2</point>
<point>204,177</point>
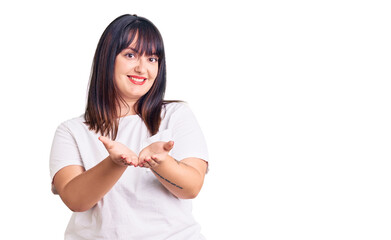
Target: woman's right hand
<point>119,153</point>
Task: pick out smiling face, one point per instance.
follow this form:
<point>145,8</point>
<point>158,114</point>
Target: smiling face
<point>134,75</point>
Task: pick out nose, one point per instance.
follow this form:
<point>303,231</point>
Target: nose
<point>140,66</point>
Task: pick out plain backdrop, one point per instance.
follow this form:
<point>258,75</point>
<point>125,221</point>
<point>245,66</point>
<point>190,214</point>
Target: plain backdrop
<point>293,98</point>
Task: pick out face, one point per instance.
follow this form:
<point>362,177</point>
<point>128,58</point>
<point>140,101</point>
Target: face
<point>134,74</point>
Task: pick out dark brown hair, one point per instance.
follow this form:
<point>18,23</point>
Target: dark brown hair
<point>101,114</point>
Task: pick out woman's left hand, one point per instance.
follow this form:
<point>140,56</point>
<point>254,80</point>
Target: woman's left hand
<point>155,154</point>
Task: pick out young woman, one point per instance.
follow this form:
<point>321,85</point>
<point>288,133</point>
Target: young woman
<point>127,123</point>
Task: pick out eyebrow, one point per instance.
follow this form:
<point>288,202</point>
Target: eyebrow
<point>134,50</point>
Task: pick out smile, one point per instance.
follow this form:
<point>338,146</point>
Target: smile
<point>137,80</point>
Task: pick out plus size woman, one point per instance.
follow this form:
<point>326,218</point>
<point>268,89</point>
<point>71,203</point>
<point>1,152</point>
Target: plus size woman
<point>130,165</point>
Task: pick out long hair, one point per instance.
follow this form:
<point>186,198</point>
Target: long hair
<point>102,114</point>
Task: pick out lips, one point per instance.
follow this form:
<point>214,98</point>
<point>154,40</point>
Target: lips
<point>137,79</point>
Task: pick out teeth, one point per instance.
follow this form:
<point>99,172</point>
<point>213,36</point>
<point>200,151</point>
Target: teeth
<point>137,79</point>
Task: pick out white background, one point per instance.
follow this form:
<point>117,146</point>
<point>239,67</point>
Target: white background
<point>293,98</point>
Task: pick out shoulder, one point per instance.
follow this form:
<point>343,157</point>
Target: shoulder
<point>178,114</point>
<point>73,125</point>
<point>73,122</point>
<point>175,108</point>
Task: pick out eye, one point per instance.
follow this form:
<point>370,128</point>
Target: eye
<point>129,55</point>
<point>153,59</point>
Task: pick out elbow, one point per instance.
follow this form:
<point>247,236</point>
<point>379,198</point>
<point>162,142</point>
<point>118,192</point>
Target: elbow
<point>76,206</point>
<point>193,191</point>
<point>187,196</point>
<point>191,194</point>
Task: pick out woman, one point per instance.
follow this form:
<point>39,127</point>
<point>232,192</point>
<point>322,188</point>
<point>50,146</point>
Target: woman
<point>127,123</point>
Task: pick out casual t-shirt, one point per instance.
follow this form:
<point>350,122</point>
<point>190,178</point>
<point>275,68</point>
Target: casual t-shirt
<point>138,206</point>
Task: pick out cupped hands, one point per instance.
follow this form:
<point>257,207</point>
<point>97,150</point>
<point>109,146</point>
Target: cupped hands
<point>150,157</point>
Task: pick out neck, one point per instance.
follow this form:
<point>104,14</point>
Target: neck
<point>126,109</point>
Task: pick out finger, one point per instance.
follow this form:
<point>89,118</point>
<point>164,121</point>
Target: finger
<point>106,141</point>
<point>134,161</point>
<point>125,160</point>
<point>149,162</point>
<point>157,158</point>
<point>147,165</point>
<point>153,161</point>
<point>168,145</point>
<point>141,160</point>
<point>154,158</point>
<point>142,164</point>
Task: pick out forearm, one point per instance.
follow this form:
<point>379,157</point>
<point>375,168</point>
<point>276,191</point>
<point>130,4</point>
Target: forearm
<point>180,179</point>
<point>85,190</point>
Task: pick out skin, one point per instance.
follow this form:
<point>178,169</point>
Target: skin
<point>130,63</point>
<point>81,190</point>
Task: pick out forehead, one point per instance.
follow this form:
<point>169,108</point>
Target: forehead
<point>143,42</point>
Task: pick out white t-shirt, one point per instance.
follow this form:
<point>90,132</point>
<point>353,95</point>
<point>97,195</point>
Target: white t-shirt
<point>138,206</point>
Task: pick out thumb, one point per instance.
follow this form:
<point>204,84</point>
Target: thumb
<point>168,145</point>
<point>106,141</point>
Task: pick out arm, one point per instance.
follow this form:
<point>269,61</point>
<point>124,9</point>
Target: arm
<point>182,178</point>
<point>81,190</point>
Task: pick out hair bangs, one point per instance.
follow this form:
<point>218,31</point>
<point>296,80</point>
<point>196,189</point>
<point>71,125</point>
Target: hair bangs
<point>145,38</point>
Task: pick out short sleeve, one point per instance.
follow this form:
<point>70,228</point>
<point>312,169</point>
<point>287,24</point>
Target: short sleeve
<point>188,138</point>
<point>64,150</point>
